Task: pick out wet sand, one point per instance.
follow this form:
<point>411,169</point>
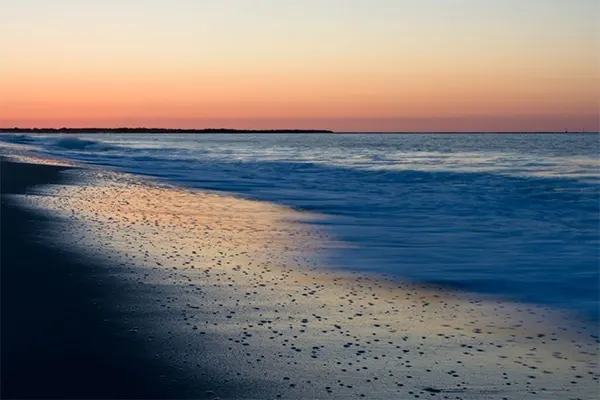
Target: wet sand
<point>57,339</point>
<point>226,297</point>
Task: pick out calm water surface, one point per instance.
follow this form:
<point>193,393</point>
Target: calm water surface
<point>507,214</point>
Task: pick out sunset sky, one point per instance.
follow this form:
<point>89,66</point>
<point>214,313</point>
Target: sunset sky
<point>345,65</point>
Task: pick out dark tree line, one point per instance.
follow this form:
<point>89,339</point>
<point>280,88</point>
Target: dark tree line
<point>157,130</point>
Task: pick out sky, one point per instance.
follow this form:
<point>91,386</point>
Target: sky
<point>345,65</point>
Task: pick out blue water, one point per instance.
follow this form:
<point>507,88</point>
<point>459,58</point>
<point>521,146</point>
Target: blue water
<point>506,214</point>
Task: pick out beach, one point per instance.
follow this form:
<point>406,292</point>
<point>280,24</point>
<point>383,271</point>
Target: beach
<point>118,286</point>
<point>298,200</point>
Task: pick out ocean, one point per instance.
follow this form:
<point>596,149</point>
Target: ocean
<point>508,215</point>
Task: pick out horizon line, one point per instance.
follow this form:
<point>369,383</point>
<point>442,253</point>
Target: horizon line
<point>283,130</point>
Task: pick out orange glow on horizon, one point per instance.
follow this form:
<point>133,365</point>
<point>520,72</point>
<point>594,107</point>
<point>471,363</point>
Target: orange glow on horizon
<point>99,66</point>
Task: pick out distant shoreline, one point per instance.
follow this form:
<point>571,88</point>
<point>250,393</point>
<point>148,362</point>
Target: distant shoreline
<point>246,131</point>
<point>157,130</point>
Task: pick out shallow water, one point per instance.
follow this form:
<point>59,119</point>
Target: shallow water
<point>511,215</point>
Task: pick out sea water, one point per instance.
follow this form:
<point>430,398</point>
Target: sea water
<point>512,215</point>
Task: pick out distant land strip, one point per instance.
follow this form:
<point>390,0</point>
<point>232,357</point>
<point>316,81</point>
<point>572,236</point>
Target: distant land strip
<point>157,130</point>
<point>228,130</point>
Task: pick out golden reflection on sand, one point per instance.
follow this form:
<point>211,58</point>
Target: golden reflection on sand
<point>247,275</point>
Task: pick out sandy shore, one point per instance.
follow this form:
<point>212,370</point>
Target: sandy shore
<point>226,297</point>
<point>58,312</point>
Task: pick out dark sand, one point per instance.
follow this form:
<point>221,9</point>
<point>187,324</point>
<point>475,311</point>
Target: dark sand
<point>57,315</point>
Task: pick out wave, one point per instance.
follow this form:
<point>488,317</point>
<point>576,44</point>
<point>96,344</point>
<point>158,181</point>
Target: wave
<point>366,157</point>
<point>82,144</point>
<point>19,139</point>
<point>63,143</point>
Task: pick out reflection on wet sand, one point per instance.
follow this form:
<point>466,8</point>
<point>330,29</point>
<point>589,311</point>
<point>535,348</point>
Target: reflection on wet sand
<point>245,277</point>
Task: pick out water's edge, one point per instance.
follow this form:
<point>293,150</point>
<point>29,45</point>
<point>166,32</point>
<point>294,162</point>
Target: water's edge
<point>519,225</point>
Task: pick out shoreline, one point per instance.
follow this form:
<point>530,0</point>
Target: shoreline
<point>245,285</point>
<point>57,333</point>
<point>156,131</point>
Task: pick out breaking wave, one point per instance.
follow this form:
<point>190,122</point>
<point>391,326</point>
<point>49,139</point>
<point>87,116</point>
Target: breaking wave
<point>81,144</point>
